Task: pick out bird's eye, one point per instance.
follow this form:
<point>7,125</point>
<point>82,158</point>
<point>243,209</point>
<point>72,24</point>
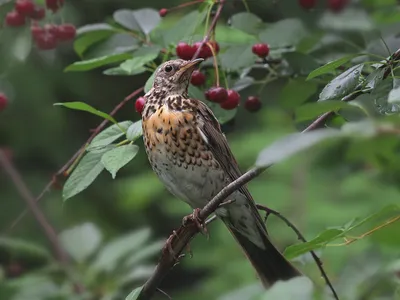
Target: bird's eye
<point>168,68</point>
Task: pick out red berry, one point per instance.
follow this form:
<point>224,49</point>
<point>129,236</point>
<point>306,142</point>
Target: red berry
<point>337,5</point>
<point>232,101</point>
<point>51,28</point>
<point>163,12</point>
<point>139,104</point>
<point>307,4</point>
<point>3,101</point>
<point>252,104</point>
<point>217,94</point>
<point>46,41</point>
<point>205,51</point>
<point>185,51</point>
<point>38,14</point>
<point>25,7</point>
<point>262,50</point>
<point>37,31</point>
<point>215,46</point>
<point>65,32</point>
<point>54,5</point>
<point>198,78</point>
<point>15,19</point>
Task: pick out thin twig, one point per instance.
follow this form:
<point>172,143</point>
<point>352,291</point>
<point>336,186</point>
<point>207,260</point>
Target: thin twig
<point>26,194</point>
<point>76,155</point>
<point>317,260</point>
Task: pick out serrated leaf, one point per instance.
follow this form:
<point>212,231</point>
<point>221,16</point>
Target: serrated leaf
<point>134,294</point>
<point>94,27</point>
<point>149,82</point>
<point>329,67</point>
<point>243,83</point>
<point>292,144</point>
<point>90,64</point>
<point>84,42</point>
<point>84,174</point>
<point>109,135</point>
<point>310,111</point>
<point>394,95</point>
<point>147,19</point>
<point>81,241</point>
<point>284,33</point>
<point>134,131</point>
<point>300,63</point>
<point>185,27</point>
<point>296,92</point>
<point>116,158</point>
<point>22,250</point>
<point>237,57</point>
<point>342,85</point>
<point>125,18</point>
<point>86,107</point>
<point>111,255</point>
<point>246,22</point>
<point>136,64</point>
<point>117,43</point>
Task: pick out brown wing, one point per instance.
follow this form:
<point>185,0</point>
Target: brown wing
<point>219,147</point>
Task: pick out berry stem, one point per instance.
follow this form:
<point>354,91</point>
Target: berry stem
<point>186,4</point>
<point>208,19</point>
<point>267,80</point>
<point>246,5</point>
<point>215,62</point>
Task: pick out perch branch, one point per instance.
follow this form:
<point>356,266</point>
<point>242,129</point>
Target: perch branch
<point>66,166</point>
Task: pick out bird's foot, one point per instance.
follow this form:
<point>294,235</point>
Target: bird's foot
<point>195,218</point>
<point>168,246</point>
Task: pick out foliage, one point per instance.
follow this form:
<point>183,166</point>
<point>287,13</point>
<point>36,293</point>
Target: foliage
<point>339,184</point>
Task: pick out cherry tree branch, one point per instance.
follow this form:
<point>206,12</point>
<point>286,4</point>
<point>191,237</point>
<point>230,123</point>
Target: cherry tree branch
<point>77,154</point>
<point>26,194</point>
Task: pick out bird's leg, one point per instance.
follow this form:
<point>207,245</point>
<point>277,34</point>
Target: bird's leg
<point>194,217</point>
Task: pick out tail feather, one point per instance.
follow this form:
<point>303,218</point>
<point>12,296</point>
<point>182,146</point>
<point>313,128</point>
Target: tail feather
<point>269,263</point>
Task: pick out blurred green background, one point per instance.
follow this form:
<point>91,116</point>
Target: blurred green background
<point>316,190</point>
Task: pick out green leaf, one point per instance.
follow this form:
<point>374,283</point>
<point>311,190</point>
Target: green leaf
<point>144,253</point>
<point>350,19</point>
<point>125,18</point>
<point>149,82</point>
<point>300,63</point>
<point>237,57</point>
<point>243,83</point>
<point>94,27</point>
<point>284,33</point>
<point>309,111</point>
<point>134,294</point>
<point>394,95</point>
<point>109,135</point>
<point>22,250</point>
<point>83,42</point>
<point>247,22</point>
<point>84,174</point>
<point>292,144</point>
<point>329,67</point>
<point>136,64</point>
<point>90,64</point>
<point>86,107</point>
<point>81,241</point>
<point>112,254</point>
<point>134,131</point>
<point>147,19</point>
<point>116,158</point>
<point>343,84</point>
<point>318,242</point>
<point>117,43</point>
<point>296,92</point>
<point>299,288</point>
<point>185,27</point>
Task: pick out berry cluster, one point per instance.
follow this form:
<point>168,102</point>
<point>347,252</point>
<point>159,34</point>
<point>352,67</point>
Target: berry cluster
<point>48,36</point>
<point>3,101</point>
<point>186,51</point>
<point>334,5</point>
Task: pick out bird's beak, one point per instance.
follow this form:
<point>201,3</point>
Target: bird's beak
<point>189,66</point>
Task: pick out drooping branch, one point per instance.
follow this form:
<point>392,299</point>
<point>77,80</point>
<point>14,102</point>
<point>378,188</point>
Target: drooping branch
<point>78,153</point>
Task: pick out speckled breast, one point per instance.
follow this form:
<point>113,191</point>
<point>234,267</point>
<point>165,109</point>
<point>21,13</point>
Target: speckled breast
<point>180,157</point>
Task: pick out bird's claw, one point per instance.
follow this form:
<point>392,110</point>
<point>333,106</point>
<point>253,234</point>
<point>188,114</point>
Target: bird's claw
<point>168,245</point>
<point>195,218</point>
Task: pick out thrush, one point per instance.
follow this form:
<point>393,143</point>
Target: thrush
<point>191,156</point>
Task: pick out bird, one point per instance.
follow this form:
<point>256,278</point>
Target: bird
<point>191,156</point>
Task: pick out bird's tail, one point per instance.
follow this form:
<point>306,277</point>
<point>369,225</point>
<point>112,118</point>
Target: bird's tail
<point>269,263</point>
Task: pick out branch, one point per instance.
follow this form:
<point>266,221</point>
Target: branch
<point>66,166</point>
<point>391,63</point>
<point>301,237</point>
<point>33,207</point>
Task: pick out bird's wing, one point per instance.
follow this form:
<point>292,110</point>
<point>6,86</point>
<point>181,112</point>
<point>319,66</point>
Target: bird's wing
<point>212,134</point>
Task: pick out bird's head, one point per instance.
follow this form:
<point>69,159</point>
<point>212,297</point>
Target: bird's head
<point>174,75</point>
